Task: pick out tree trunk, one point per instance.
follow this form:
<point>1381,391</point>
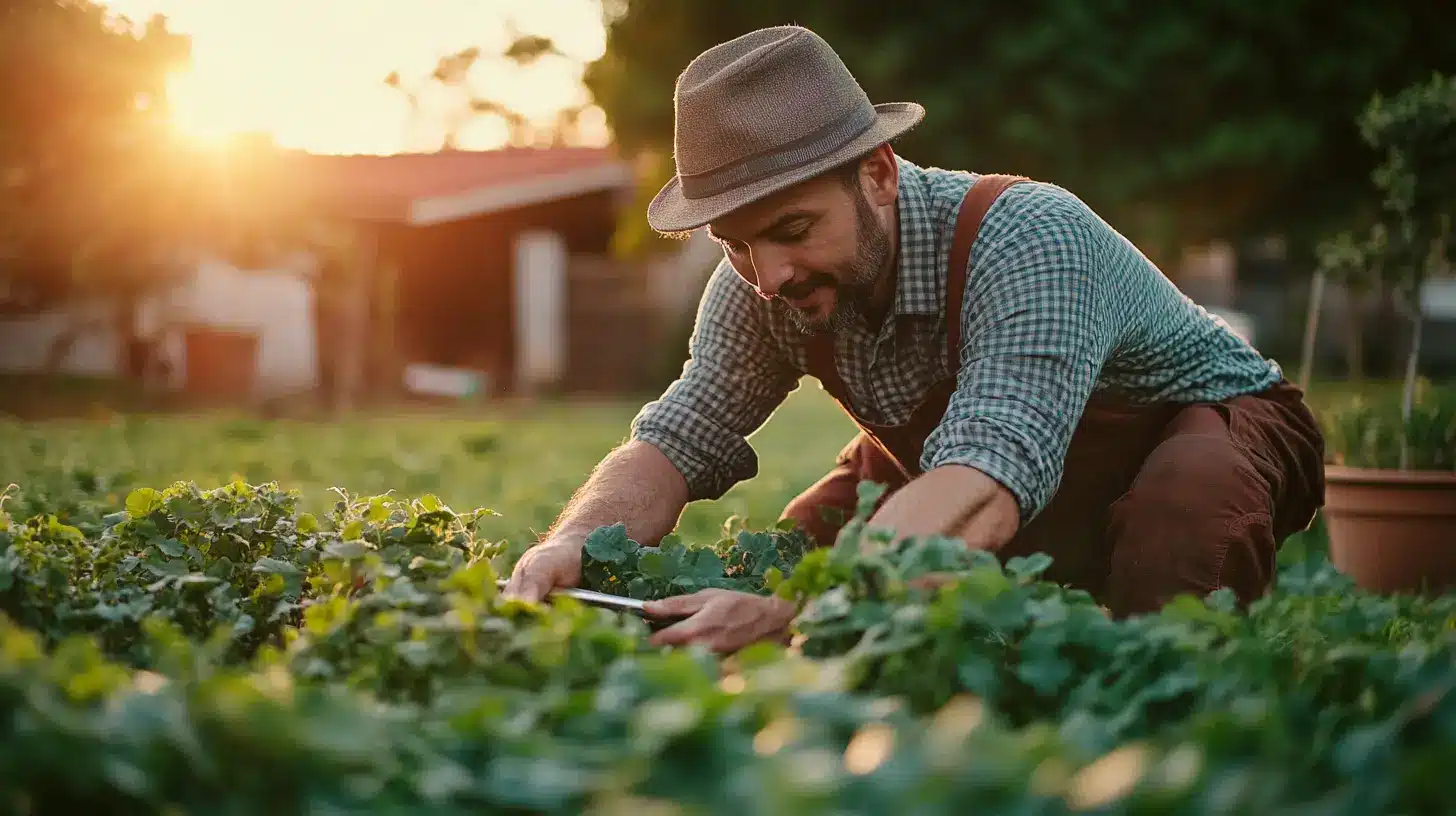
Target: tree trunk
<point>1408,395</point>
<point>1311,326</point>
<point>1355,334</point>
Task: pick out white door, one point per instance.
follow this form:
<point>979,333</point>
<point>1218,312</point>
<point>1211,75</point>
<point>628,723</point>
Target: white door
<point>540,308</point>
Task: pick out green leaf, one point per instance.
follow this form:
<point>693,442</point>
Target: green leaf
<point>307,523</point>
<point>1027,568</point>
<point>142,502</point>
<point>1045,673</point>
<point>702,564</point>
<point>639,588</point>
<point>868,496</point>
<point>173,567</point>
<point>658,565</point>
<point>272,566</point>
<point>346,550</point>
<point>169,546</point>
<point>610,544</point>
<point>222,568</point>
<point>353,530</point>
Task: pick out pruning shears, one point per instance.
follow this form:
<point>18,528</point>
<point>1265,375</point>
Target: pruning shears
<point>616,603</point>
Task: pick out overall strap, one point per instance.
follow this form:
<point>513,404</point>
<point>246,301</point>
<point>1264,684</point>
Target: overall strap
<point>977,201</point>
<point>820,350</point>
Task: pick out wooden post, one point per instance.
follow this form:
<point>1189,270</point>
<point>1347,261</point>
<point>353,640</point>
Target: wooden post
<point>1311,325</point>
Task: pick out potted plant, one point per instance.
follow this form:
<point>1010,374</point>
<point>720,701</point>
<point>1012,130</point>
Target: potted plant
<point>1390,505</point>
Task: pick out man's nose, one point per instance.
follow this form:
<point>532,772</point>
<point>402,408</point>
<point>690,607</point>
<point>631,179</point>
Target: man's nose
<point>772,270</point>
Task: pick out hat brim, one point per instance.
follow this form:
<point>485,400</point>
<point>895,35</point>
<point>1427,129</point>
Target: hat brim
<point>671,211</point>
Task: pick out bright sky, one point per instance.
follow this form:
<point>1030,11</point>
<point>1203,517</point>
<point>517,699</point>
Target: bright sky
<point>311,72</point>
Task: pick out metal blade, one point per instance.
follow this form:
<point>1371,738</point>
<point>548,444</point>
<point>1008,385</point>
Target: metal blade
<point>606,601</point>
<point>602,599</point>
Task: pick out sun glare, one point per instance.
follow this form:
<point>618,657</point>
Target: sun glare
<point>310,73</point>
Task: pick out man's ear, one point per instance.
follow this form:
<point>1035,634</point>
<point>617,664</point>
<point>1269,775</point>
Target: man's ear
<point>880,174</point>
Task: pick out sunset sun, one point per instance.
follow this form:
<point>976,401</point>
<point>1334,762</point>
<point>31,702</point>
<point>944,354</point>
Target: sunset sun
<point>310,75</point>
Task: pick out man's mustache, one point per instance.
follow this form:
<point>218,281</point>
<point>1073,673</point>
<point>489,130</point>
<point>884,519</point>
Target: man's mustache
<point>802,289</point>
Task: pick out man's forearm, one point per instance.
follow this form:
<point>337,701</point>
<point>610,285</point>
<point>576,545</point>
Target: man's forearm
<point>955,501</point>
<point>635,485</point>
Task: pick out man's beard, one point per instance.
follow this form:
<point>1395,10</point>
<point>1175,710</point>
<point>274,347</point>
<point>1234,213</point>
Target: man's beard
<point>853,287</point>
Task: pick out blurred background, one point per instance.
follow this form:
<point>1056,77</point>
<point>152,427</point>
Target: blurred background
<point>258,238</point>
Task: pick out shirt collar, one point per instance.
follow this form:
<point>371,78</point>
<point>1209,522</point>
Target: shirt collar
<point>918,282</point>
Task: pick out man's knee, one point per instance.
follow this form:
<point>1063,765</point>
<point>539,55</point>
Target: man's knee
<point>1197,518</point>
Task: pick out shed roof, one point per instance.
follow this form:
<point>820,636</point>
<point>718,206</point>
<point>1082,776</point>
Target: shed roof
<point>429,188</point>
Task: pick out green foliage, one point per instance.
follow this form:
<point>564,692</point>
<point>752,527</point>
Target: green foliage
<point>747,562</point>
<point>84,186</point>
<point>1177,121</point>
<point>1355,262</point>
<point>525,463</point>
<point>1370,431</point>
<point>1414,133</point>
<point>188,650</point>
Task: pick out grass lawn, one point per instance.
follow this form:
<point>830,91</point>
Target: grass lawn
<point>520,462</point>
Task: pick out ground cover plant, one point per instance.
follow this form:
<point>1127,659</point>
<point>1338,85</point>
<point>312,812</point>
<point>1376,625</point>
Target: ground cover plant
<point>196,644</point>
<point>221,650</point>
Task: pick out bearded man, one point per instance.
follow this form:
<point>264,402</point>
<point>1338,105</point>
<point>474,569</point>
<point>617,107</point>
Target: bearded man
<point>1023,378</point>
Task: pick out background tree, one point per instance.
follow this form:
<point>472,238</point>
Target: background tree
<point>1415,134</point>
<point>86,187</point>
<point>465,101</point>
<point>1180,122</point>
<point>102,202</point>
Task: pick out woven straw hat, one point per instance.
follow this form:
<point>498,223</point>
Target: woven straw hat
<point>760,113</point>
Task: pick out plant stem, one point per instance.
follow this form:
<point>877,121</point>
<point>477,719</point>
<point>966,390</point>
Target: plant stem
<point>1407,400</point>
<point>1311,325</point>
<point>1354,335</point>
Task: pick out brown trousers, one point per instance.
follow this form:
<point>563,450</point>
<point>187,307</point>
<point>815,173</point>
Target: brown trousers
<point>1153,502</point>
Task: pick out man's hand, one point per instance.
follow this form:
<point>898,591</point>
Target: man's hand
<point>721,619</point>
<point>553,564</point>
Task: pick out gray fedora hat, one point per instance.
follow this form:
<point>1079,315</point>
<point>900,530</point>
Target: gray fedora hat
<point>762,112</point>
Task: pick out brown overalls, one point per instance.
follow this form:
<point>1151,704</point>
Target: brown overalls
<point>1154,500</point>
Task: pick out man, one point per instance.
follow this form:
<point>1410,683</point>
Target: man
<point>1024,378</point>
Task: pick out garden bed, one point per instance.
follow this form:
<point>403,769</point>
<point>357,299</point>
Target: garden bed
<point>223,651</point>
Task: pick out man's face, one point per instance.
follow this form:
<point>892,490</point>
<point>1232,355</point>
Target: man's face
<point>814,250</point>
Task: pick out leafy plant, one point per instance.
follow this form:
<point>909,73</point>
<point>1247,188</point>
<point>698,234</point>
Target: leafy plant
<point>362,660</point>
<point>1355,263</point>
<point>747,562</point>
<point>1371,432</point>
<point>1414,135</point>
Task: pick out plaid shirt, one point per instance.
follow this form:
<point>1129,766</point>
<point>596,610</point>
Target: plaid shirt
<point>1057,305</point>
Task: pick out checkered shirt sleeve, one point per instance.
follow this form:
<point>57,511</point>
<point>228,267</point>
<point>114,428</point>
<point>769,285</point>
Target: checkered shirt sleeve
<point>735,377</point>
<point>1039,320</point>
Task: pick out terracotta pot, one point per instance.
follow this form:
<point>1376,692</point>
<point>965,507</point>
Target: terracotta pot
<point>1392,530</point>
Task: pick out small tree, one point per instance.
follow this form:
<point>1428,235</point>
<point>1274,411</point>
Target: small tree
<point>1356,264</point>
<point>88,188</point>
<point>1415,135</point>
